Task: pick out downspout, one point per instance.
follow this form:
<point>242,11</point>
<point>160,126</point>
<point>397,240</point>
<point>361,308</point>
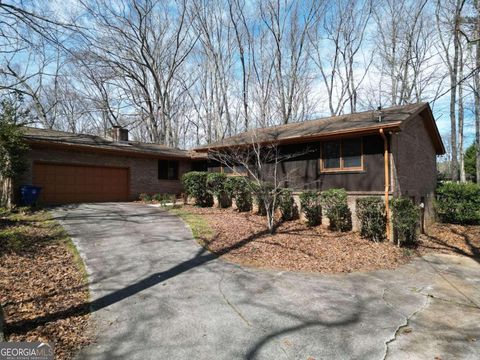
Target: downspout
<point>387,181</point>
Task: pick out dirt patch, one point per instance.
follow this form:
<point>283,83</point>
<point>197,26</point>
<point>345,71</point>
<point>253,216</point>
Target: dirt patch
<point>451,239</point>
<point>242,238</point>
<point>43,287</point>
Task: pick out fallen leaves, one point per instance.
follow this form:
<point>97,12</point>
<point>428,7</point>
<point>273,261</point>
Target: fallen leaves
<point>242,238</point>
<point>43,292</point>
<point>451,239</point>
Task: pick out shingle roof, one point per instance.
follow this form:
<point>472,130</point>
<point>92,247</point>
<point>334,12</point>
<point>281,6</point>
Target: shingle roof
<point>392,117</point>
<point>54,137</point>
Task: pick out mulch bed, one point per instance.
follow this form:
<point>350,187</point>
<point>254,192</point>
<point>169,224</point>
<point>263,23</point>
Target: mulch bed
<point>43,293</point>
<point>451,239</point>
<point>242,238</point>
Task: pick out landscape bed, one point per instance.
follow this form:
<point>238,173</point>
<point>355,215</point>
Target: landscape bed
<point>242,238</point>
<point>43,284</point>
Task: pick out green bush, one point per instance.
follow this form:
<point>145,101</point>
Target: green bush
<point>373,221</point>
<point>157,197</point>
<point>163,199</point>
<point>405,219</point>
<point>458,203</point>
<point>334,203</point>
<point>217,185</point>
<point>239,188</point>
<point>286,204</point>
<point>262,194</point>
<point>145,197</point>
<point>310,202</point>
<point>195,184</point>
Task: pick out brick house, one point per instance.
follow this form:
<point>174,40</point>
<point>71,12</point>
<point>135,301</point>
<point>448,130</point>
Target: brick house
<point>390,152</point>
<point>86,168</point>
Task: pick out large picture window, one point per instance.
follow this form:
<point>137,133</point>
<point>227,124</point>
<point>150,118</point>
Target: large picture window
<point>168,169</point>
<point>342,155</point>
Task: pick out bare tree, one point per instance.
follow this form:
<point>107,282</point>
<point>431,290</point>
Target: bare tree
<point>449,18</point>
<point>146,45</point>
<point>337,51</point>
<point>262,164</point>
<point>405,50</point>
<point>288,27</point>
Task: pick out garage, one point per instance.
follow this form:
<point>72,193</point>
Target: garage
<point>80,183</point>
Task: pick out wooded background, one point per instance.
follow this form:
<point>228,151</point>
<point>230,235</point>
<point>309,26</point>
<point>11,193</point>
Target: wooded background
<point>190,72</point>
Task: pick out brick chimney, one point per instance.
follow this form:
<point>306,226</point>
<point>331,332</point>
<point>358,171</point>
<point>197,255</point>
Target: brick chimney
<point>117,133</point>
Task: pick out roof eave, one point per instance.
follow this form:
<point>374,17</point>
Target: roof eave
<point>96,149</point>
<point>392,126</point>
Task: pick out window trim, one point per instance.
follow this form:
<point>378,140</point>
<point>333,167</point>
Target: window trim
<point>176,178</point>
<point>342,168</point>
<point>233,173</point>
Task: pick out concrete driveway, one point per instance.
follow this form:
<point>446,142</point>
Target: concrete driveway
<point>157,295</point>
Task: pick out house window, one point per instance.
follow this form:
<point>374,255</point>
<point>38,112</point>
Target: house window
<point>168,169</point>
<point>342,155</point>
<point>238,170</point>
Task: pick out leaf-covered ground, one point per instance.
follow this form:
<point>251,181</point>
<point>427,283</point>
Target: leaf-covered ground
<point>43,285</point>
<point>242,238</point>
<point>452,239</point>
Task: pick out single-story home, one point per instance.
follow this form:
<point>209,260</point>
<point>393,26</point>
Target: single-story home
<point>386,152</point>
<point>391,151</point>
<point>86,168</point>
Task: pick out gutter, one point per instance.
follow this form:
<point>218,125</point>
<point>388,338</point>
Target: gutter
<point>387,180</point>
<point>112,150</point>
<point>371,130</point>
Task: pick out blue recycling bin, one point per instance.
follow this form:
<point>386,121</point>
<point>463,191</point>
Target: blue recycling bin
<point>29,194</point>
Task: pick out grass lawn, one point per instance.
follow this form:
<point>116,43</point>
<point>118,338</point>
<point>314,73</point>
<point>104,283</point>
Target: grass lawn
<point>43,283</point>
<point>201,229</point>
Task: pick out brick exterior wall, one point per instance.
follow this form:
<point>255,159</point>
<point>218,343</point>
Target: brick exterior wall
<point>414,167</point>
<point>143,171</point>
<point>414,160</point>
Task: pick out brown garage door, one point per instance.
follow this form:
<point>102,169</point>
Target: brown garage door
<point>74,183</point>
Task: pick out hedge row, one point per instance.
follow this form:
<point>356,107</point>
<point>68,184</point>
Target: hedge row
<point>202,186</point>
<point>333,202</point>
<point>458,203</point>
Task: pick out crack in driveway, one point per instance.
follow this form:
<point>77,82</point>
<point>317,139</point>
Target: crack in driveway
<point>229,303</point>
<point>405,324</point>
<point>313,311</point>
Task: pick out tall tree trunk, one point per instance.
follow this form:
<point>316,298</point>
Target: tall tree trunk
<point>461,117</point>
<point>453,95</point>
<point>477,92</point>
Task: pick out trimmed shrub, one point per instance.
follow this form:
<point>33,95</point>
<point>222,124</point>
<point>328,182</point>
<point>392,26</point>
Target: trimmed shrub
<point>163,199</point>
<point>458,203</point>
<point>216,185</point>
<point>195,184</point>
<point>334,203</point>
<point>373,221</point>
<point>157,197</point>
<point>405,218</point>
<point>261,194</point>
<point>145,197</point>
<point>310,202</point>
<point>239,189</point>
<point>286,204</point>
